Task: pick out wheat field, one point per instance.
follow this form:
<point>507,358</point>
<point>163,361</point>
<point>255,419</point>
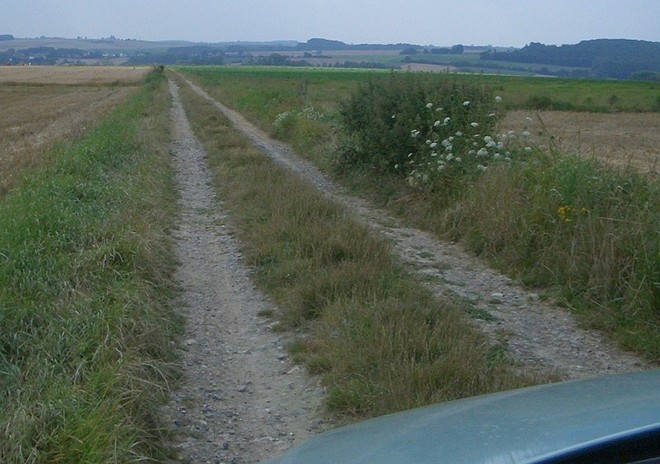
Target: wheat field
<point>72,75</point>
<point>38,111</point>
<point>620,139</point>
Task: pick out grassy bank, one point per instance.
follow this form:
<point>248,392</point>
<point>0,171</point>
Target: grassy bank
<point>573,225</point>
<point>84,278</point>
<point>380,341</point>
<point>585,233</point>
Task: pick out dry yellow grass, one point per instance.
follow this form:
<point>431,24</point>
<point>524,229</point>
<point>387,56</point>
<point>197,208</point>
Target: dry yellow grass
<point>620,139</point>
<point>72,75</point>
<point>34,119</point>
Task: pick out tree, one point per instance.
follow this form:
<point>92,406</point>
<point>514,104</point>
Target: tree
<point>457,49</point>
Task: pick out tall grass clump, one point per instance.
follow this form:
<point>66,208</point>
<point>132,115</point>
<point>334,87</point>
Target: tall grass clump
<point>570,223</point>
<point>85,352</point>
<point>379,340</point>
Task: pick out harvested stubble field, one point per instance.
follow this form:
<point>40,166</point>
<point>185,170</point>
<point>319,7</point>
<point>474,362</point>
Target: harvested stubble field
<point>72,75</point>
<point>44,106</point>
<point>620,139</point>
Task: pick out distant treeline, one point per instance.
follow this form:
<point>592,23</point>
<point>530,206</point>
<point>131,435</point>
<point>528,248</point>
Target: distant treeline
<point>603,58</point>
<point>325,44</point>
<point>193,55</point>
<point>606,58</point>
<point>46,55</point>
<point>275,59</point>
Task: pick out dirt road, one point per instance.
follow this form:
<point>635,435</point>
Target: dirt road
<point>242,400</point>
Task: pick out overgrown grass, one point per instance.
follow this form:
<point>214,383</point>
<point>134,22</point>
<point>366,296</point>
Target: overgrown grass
<point>379,339</point>
<point>551,220</point>
<point>85,353</point>
<point>603,262</point>
<point>572,224</point>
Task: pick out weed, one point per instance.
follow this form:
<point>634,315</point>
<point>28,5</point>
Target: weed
<point>567,222</point>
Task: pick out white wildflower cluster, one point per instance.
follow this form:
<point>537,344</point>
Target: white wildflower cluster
<point>311,114</point>
<point>461,151</point>
<point>282,117</point>
<point>287,117</point>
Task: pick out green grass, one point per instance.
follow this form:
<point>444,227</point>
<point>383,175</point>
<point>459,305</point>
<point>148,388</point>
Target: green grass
<point>603,263</point>
<point>574,94</point>
<point>575,225</point>
<point>379,340</point>
<point>85,352</point>
<point>264,92</point>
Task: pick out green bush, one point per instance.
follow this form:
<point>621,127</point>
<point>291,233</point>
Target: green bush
<point>433,130</point>
<point>378,119</point>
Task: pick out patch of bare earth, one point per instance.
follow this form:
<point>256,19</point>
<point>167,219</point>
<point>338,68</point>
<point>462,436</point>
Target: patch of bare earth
<point>621,139</point>
<point>241,398</point>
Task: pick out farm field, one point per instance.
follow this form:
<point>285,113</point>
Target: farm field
<point>44,106</point>
<point>72,75</point>
<point>613,121</point>
<point>620,139</point>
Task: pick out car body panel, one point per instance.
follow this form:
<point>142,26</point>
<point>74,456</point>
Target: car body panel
<point>518,426</point>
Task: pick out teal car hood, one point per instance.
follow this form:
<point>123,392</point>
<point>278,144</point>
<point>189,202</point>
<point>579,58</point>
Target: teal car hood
<point>519,426</point>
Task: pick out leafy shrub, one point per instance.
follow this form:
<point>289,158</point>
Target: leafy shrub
<point>543,102</point>
<point>423,127</point>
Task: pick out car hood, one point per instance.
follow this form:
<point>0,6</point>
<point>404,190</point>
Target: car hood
<point>518,426</point>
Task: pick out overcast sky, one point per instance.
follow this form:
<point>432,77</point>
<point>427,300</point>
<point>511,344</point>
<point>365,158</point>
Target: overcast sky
<point>437,22</point>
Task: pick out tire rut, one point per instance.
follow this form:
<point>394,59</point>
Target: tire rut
<point>241,399</point>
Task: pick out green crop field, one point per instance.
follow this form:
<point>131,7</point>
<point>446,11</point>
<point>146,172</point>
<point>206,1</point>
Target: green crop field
<point>518,92</point>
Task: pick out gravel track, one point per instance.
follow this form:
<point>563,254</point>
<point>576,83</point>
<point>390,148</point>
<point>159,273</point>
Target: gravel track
<point>242,400</point>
